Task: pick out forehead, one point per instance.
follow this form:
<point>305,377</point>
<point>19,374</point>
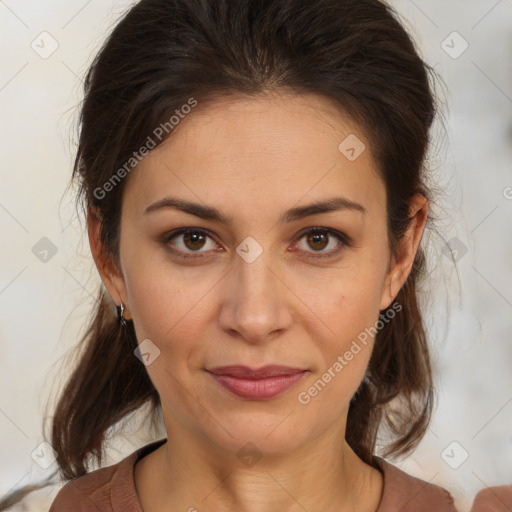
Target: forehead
<point>276,145</point>
<point>279,121</point>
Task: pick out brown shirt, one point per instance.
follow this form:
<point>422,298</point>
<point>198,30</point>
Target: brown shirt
<point>493,499</point>
<point>112,489</point>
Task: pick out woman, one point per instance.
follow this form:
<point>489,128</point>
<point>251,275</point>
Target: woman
<point>254,182</point>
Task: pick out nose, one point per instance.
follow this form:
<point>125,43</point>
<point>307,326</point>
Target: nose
<point>256,303</point>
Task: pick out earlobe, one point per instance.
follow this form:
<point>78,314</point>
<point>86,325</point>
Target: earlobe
<point>391,287</point>
<point>408,247</point>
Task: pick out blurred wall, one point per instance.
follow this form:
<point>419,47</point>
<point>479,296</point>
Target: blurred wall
<point>47,282</point>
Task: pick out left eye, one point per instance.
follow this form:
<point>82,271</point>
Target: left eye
<point>320,238</point>
<point>193,239</point>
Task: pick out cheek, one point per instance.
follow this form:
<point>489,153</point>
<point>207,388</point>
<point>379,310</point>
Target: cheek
<point>351,312</point>
<point>169,307</point>
<point>353,316</point>
<point>352,300</point>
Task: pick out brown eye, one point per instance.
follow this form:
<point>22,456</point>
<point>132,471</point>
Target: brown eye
<point>319,239</point>
<point>189,241</point>
<point>193,240</point>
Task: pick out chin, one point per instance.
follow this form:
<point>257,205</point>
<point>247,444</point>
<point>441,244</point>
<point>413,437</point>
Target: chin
<point>264,433</point>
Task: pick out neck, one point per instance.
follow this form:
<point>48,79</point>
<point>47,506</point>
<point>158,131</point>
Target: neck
<point>189,473</point>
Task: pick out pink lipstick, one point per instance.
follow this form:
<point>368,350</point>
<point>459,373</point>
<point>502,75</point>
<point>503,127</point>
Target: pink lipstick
<point>257,384</point>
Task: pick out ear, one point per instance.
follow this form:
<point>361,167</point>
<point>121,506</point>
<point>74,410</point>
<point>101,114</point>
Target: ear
<point>408,246</point>
<point>108,268</point>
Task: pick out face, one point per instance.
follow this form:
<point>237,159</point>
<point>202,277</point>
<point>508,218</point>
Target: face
<point>270,282</point>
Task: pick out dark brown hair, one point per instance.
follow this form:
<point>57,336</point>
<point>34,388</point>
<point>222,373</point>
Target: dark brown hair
<point>164,52</point>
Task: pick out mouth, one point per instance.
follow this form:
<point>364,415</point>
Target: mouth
<point>257,384</point>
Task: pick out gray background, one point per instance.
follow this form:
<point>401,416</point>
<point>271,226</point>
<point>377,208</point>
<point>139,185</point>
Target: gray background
<point>45,296</point>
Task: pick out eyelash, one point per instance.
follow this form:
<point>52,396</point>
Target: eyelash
<point>344,239</point>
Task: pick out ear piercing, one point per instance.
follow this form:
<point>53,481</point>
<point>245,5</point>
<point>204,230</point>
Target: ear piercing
<point>120,309</point>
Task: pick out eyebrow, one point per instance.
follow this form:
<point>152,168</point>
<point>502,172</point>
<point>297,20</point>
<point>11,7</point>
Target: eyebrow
<point>213,214</point>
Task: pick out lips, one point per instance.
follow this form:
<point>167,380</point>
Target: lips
<point>257,384</point>
<point>244,372</point>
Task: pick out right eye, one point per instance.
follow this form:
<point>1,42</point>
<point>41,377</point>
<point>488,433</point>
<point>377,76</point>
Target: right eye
<point>192,239</point>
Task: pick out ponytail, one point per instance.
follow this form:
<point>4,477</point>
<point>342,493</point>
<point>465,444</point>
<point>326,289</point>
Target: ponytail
<point>108,383</point>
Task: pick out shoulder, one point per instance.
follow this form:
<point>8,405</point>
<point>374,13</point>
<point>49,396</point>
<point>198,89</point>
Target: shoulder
<point>493,499</point>
<point>410,494</point>
<point>88,492</point>
<point>108,489</point>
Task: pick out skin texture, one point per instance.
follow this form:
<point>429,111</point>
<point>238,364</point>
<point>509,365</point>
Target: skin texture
<point>254,158</point>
